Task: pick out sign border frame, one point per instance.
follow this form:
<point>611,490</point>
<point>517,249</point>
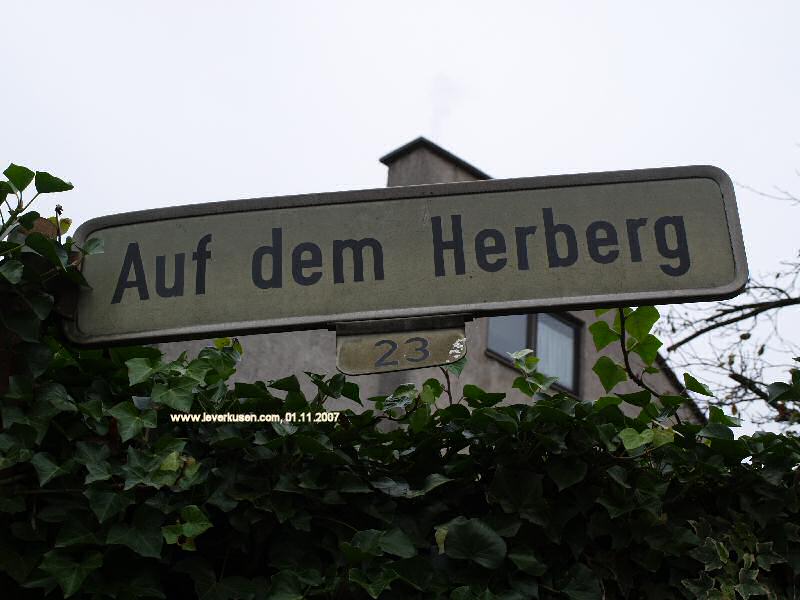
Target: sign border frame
<point>74,334</point>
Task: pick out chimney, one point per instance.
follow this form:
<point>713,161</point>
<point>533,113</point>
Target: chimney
<point>421,161</point>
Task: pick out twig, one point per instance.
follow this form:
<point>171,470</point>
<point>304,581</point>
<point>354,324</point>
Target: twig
<point>743,317</point>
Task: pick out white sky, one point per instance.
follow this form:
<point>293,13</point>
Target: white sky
<point>145,104</point>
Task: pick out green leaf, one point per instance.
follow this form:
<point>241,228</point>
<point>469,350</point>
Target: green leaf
<point>195,521</point>
<point>48,248</point>
<point>24,324</point>
<point>419,418</point>
<point>458,366</point>
<point>139,370</point>
<point>178,394</point>
<point>527,562</point>
<point>62,224</point>
<point>712,554</point>
<point>130,420</point>
<point>69,573</point>
<point>374,585</point>
<point>56,395</point>
<point>641,321</point>
<point>716,431</point>
<point>38,358</point>
<point>20,177</point>
<point>662,437</point>
<point>376,542</point>
<point>47,184</point>
<point>143,536</point>
<point>474,540</point>
<point>647,349</point>
<point>401,489</point>
<point>397,543</point>
<point>606,401</point>
<point>695,386</point>
<point>47,469</point>
<point>619,475</point>
<point>566,472</point>
<point>632,439</point>
<point>640,399</point>
<point>5,190</point>
<point>609,373</point>
<point>107,503</point>
<point>28,220</point>
<point>582,584</point>
<point>75,533</point>
<point>93,457</point>
<point>717,415</point>
<point>602,334</point>
<point>11,271</point>
<point>287,384</point>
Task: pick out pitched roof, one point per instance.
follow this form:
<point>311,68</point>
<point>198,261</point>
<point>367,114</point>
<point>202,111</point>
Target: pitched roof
<point>422,142</point>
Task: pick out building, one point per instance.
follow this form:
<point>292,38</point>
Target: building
<point>561,340</point>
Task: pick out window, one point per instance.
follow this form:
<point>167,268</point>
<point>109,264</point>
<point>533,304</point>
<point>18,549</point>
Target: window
<point>554,339</point>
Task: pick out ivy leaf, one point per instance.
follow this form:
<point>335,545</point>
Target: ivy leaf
<point>419,418</point>
<point>527,562</point>
<point>11,271</point>
<point>20,177</point>
<point>640,399</point>
<point>695,386</point>
<point>749,586</point>
<point>93,457</point>
<point>582,584</point>
<point>75,533</point>
<point>143,536</point>
<point>5,190</point>
<point>641,321</point>
<point>662,437</point>
<point>374,586</point>
<point>47,469</point>
<point>457,367</point>
<point>195,521</point>
<point>130,420</point>
<point>139,370</point>
<point>48,248</point>
<point>713,554</point>
<point>609,373</point>
<point>28,220</point>
<point>39,357</point>
<point>717,415</point>
<point>70,574</point>
<point>603,335</point>
<point>566,472</point>
<point>24,324</point>
<point>107,503</point>
<point>716,431</point>
<point>56,395</point>
<point>632,439</point>
<point>178,394</point>
<point>48,184</point>
<point>397,543</point>
<point>647,348</point>
<point>474,540</point>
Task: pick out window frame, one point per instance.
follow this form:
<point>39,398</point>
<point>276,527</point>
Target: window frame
<point>532,324</point>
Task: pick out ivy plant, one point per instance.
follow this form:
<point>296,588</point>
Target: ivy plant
<point>436,491</point>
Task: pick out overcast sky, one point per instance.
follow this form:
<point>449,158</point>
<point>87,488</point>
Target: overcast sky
<point>146,104</point>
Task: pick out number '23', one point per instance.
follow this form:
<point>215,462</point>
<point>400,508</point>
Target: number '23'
<point>420,350</point>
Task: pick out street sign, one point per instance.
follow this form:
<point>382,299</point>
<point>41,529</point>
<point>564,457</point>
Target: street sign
<point>388,345</point>
<point>476,248</point>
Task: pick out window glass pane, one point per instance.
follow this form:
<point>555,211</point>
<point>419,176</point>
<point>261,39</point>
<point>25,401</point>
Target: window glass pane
<point>508,334</point>
<point>555,347</point>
